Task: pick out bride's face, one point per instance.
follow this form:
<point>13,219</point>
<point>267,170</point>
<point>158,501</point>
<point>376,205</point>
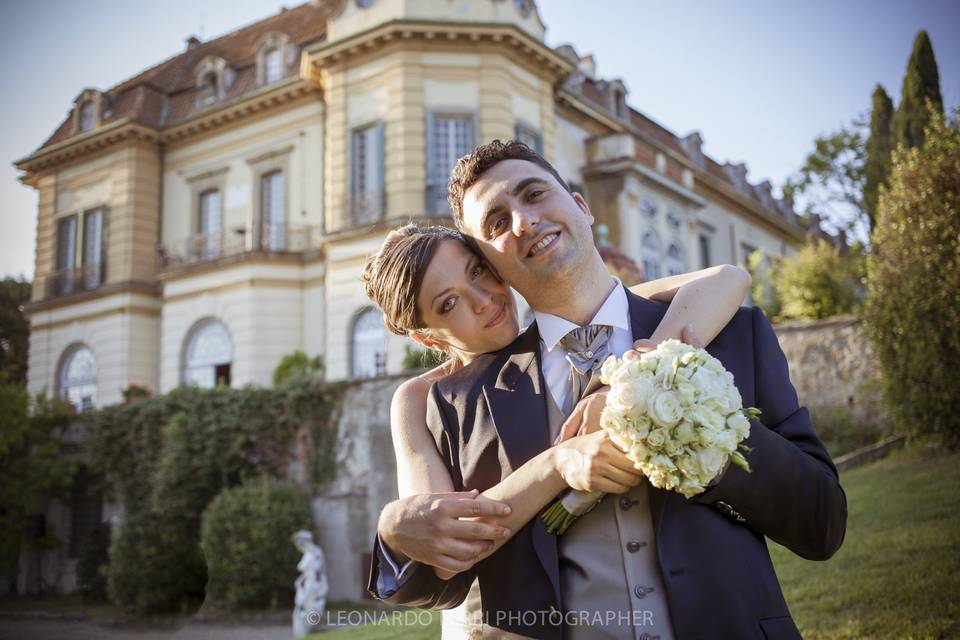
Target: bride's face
<point>464,304</point>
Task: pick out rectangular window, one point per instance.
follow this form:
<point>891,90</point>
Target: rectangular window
<point>530,137</point>
<point>272,65</point>
<point>208,225</point>
<point>367,179</point>
<point>93,253</point>
<point>448,138</point>
<point>64,277</point>
<point>705,260</point>
<point>272,212</point>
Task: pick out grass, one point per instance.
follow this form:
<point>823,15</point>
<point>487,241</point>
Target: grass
<point>897,574</point>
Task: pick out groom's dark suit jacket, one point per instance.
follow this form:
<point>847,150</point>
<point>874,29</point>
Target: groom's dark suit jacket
<point>490,417</point>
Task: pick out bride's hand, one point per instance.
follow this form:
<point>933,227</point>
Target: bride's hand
<point>593,463</point>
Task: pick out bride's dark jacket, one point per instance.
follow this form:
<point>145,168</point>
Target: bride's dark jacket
<point>490,417</point>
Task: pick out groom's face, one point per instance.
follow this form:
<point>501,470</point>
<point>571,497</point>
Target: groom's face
<point>527,225</point>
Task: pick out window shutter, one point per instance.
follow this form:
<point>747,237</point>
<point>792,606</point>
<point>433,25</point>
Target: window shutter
<point>381,151</point>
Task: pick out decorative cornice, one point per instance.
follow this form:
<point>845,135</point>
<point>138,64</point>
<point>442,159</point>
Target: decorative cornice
<point>631,165</point>
<point>56,302</point>
<point>86,143</point>
<point>577,103</point>
<point>124,129</point>
<point>265,98</point>
<point>526,46</point>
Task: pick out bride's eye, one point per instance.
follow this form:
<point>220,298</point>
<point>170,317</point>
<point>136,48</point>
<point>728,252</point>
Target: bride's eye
<point>448,304</point>
<point>478,270</point>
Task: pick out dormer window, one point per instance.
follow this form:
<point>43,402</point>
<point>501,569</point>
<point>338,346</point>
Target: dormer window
<point>272,65</point>
<point>208,89</point>
<point>214,77</point>
<point>87,110</point>
<point>274,55</point>
<point>619,103</point>
<point>88,116</point>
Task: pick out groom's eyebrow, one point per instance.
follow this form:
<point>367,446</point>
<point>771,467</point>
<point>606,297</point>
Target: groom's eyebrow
<point>517,190</point>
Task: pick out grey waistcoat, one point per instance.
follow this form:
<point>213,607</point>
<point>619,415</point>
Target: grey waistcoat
<point>610,578</point>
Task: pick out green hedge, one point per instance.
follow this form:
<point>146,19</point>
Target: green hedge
<point>246,540</point>
<point>169,456</point>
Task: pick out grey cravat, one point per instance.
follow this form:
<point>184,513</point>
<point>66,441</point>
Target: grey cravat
<point>587,348</point>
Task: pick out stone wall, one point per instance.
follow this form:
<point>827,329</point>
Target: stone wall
<point>832,367</point>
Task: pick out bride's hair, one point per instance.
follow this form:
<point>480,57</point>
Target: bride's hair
<point>393,275</point>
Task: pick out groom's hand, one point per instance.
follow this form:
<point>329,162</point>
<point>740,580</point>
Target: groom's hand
<point>593,463</point>
<point>428,528</point>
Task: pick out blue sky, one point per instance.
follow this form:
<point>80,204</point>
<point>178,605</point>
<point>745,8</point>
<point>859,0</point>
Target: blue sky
<point>759,79</point>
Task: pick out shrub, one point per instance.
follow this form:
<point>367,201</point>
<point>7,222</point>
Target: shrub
<point>818,282</point>
<point>156,565</point>
<point>913,307</point>
<point>297,364</point>
<point>93,565</point>
<point>246,539</point>
<point>414,359</point>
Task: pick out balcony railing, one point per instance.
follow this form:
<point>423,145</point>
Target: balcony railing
<point>75,279</point>
<point>201,248</point>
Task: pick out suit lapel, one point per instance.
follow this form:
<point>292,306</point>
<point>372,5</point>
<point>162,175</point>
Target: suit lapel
<point>517,403</point>
<point>518,407</point>
<point>644,317</point>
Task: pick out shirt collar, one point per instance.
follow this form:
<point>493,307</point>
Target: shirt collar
<point>614,312</point>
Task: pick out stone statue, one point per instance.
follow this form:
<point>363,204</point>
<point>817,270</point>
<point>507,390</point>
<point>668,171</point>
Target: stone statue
<point>311,586</point>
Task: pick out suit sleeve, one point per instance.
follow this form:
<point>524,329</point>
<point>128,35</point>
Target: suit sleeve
<point>418,586</point>
<point>793,494</point>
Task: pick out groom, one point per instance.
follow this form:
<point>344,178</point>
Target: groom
<point>645,564</point>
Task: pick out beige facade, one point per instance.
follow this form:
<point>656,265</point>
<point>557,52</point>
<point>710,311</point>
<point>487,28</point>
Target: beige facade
<point>247,202</point>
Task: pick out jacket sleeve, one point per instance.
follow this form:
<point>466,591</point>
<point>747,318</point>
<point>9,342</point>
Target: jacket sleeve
<point>793,494</point>
<point>419,586</point>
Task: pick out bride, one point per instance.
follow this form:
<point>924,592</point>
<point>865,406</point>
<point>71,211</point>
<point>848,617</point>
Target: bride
<point>433,288</point>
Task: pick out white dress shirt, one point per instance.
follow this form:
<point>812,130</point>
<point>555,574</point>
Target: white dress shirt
<point>614,312</point>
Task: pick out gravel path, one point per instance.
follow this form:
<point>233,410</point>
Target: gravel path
<point>61,629</point>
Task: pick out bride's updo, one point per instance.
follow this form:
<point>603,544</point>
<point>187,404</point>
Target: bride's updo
<point>393,275</point>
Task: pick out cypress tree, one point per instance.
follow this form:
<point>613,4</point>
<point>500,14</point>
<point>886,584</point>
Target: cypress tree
<point>921,83</point>
<point>877,166</point>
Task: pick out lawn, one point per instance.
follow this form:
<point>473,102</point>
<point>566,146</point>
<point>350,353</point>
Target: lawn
<point>896,576</point>
<point>898,572</point>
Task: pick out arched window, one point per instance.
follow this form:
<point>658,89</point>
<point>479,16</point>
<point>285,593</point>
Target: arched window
<point>208,355</point>
<point>676,263</point>
<point>78,378</point>
<point>272,64</point>
<point>368,342</point>
<point>88,115</point>
<point>650,250</point>
<point>209,88</point>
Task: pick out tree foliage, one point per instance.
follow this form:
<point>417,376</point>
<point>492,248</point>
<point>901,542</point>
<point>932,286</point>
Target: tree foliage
<point>819,282</point>
<point>913,307</point>
<point>830,182</point>
<point>878,150</point>
<point>297,364</point>
<point>33,466</point>
<point>14,330</point>
<point>921,83</point>
<point>246,540</point>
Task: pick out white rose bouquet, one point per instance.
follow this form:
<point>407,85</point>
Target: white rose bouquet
<point>677,415</point>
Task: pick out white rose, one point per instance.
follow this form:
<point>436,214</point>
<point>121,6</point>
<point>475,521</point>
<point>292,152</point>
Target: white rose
<point>685,433</point>
<point>608,369</point>
<point>663,461</point>
<point>613,421</point>
<point>664,408</point>
<point>673,448</point>
<point>710,461</point>
<point>706,417</point>
<point>639,453</point>
<point>688,465</point>
<point>658,438</point>
<point>686,391</point>
<point>739,423</point>
<point>727,440</point>
<point>632,396</point>
<point>640,427</point>
<point>690,487</point>
<point>707,436</point>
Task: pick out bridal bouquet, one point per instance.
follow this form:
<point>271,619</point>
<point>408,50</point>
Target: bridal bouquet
<point>677,415</point>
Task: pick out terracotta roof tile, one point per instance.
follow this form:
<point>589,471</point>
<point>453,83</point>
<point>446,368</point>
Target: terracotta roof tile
<point>142,98</point>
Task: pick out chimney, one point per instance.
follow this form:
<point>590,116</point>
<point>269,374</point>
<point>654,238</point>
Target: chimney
<point>692,143</point>
<point>193,42</point>
<point>587,66</point>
